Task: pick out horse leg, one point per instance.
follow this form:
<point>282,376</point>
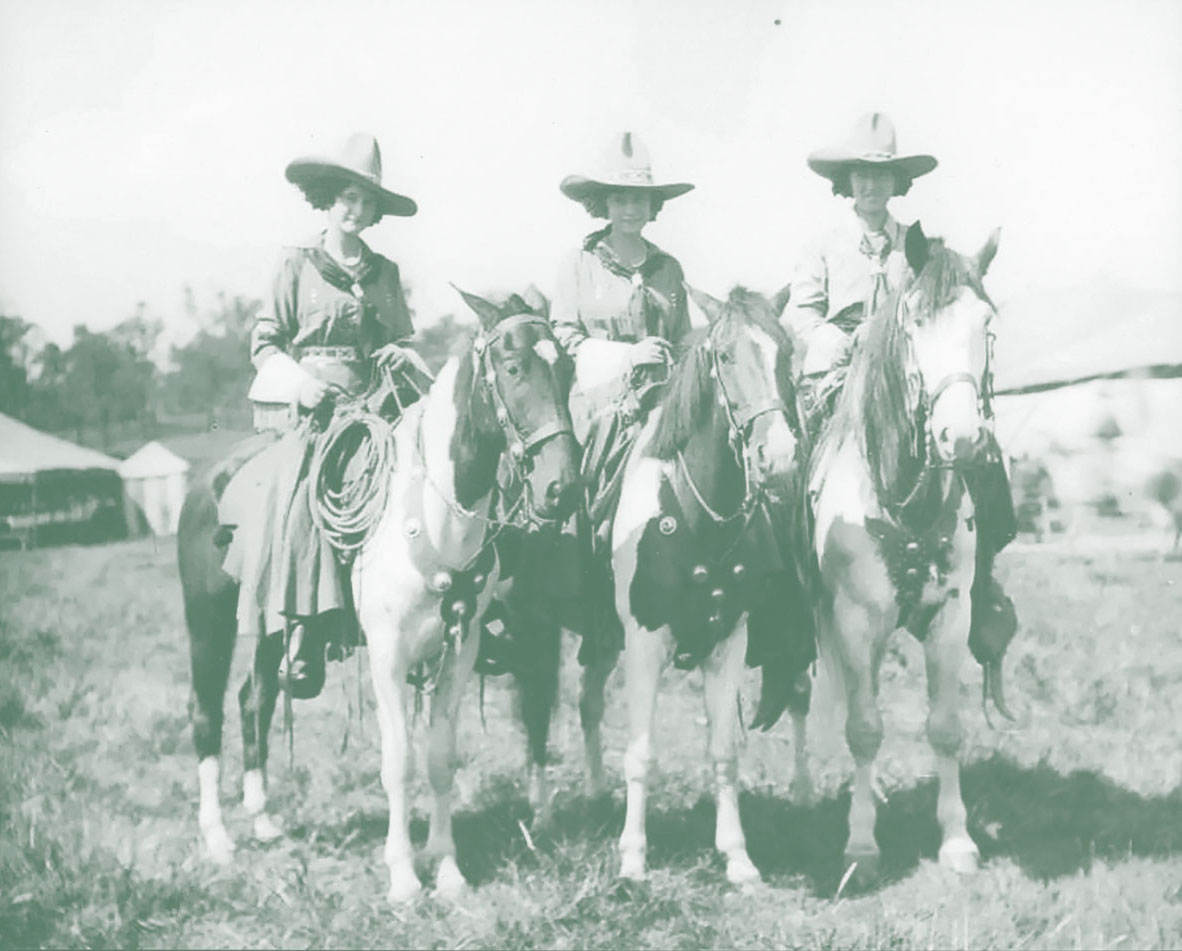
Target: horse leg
<point>442,762</point>
<point>538,689</point>
<point>646,654</point>
<point>721,672</point>
<point>591,707</point>
<point>944,650</point>
<point>389,679</point>
<point>860,630</point>
<point>212,631</point>
<point>256,705</point>
<point>801,790</point>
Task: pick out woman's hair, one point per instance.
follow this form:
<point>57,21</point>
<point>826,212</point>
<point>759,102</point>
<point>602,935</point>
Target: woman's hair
<point>842,186</point>
<point>322,190</point>
<point>596,203</point>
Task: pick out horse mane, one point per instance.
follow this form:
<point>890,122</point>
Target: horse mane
<point>687,397</point>
<point>875,406</point>
<point>689,394</point>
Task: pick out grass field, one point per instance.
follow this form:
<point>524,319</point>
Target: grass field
<point>1077,809</point>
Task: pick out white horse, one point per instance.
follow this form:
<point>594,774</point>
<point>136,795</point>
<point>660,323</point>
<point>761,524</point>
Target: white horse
<point>690,542</point>
<point>421,580</point>
<point>894,537</point>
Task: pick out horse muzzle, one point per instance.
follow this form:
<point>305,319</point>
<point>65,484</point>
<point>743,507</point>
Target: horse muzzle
<point>771,451</point>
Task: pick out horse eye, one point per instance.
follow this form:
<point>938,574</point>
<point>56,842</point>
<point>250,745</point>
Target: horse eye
<point>725,358</point>
<point>513,369</point>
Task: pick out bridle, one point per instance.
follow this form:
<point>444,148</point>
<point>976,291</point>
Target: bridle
<point>521,443</point>
<point>741,418</point>
<point>926,400</point>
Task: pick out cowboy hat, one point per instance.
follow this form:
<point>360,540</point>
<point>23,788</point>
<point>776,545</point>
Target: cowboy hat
<point>626,164</point>
<point>358,161</point>
<point>871,144</point>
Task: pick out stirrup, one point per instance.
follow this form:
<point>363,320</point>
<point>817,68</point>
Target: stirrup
<point>302,667</point>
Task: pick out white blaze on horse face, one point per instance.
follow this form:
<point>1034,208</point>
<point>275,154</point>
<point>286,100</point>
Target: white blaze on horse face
<point>779,443</point>
<point>547,350</point>
<point>953,342</point>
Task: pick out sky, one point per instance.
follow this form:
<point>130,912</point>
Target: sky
<point>143,142</point>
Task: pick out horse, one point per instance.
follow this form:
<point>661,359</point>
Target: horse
<point>694,550</point>
<point>894,538</point>
<point>420,581</point>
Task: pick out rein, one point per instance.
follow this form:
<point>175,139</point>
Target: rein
<point>739,423</point>
<point>520,443</point>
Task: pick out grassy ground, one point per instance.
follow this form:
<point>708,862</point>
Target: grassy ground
<point>1078,809</point>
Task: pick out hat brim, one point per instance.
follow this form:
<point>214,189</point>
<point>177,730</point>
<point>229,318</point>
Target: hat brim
<point>580,188</point>
<point>305,171</point>
<point>833,162</point>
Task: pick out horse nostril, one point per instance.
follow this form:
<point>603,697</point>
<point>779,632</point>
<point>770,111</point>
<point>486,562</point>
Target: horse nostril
<point>944,437</point>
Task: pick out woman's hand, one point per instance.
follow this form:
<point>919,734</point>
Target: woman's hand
<point>651,350</point>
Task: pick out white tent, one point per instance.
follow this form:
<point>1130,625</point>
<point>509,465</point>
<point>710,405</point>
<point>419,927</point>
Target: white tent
<point>52,490</point>
<point>155,479</point>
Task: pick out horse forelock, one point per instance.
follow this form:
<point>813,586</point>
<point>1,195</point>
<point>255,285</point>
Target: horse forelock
<point>691,388</point>
<point>941,280</point>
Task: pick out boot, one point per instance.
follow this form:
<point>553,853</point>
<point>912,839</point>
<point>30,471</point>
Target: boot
<point>994,620</point>
<point>302,667</point>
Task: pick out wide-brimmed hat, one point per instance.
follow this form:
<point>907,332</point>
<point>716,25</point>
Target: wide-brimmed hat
<point>625,164</point>
<point>358,160</point>
<point>871,143</point>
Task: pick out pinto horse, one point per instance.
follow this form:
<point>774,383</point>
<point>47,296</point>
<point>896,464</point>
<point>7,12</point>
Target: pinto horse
<point>420,582</point>
<point>894,533</point>
<point>694,553</point>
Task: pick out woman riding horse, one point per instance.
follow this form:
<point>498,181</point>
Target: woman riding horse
<point>848,272</point>
<point>334,315</point>
<point>619,309</point>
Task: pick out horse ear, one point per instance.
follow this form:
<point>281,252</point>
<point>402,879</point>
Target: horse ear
<point>915,246</point>
<point>710,306</point>
<point>986,255</point>
<point>488,312</point>
<point>537,301</point>
<point>780,299</point>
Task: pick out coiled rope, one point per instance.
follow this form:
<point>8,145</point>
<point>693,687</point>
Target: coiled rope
<point>351,463</point>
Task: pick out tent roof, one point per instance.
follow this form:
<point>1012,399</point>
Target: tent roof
<point>152,459</point>
<point>1057,337</point>
<point>25,451</point>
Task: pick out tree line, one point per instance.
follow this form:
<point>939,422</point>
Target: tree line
<point>112,385</point>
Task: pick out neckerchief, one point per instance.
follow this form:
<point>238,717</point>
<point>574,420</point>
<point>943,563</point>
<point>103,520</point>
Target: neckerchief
<point>647,306</point>
<point>877,247</point>
<point>333,273</point>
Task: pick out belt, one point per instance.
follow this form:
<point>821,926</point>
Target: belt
<point>333,353</point>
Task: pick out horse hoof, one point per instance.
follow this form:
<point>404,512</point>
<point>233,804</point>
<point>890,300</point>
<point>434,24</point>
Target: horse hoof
<point>219,845</point>
<point>632,868</point>
<point>404,888</point>
<point>960,855</point>
<point>449,880</point>
<point>741,871</point>
<point>266,829</point>
<point>861,868</point>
